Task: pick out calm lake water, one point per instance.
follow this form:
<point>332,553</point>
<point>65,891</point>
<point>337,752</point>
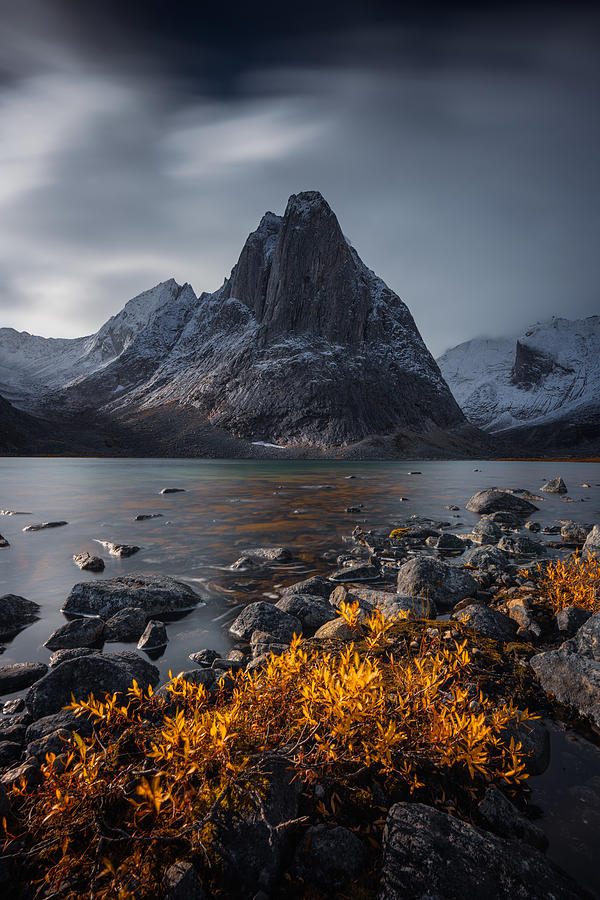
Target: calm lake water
<point>230,506</point>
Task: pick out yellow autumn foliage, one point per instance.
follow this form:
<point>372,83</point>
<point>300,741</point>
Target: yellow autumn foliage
<point>159,767</point>
<point>571,582</point>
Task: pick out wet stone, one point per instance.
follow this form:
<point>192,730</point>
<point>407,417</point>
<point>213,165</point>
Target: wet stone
<point>154,636</point>
<point>20,675</point>
<point>78,633</point>
<point>88,562</point>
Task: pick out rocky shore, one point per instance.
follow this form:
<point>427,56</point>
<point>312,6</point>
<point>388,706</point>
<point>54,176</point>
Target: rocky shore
<point>439,588</point>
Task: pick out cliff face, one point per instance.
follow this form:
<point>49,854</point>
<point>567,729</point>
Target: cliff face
<point>303,345</point>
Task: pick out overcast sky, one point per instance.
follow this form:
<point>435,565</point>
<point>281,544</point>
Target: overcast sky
<point>144,140</point>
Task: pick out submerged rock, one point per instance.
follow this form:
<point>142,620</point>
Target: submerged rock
<point>173,491</point>
<point>98,674</point>
<point>143,517</point>
<point>555,486</point>
<point>88,562</point>
<point>120,550</point>
<point>20,675</point>
<point>272,554</point>
<point>15,613</point>
<point>263,616</point>
<point>429,854</point>
<point>152,593</point>
<point>154,636</point>
<point>78,633</point>
<point>495,500</point>
<point>440,582</point>
<point>3,542</point>
<point>40,526</point>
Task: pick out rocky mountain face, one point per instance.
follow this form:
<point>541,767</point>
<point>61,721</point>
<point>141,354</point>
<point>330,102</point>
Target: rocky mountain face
<point>541,388</point>
<point>303,346</point>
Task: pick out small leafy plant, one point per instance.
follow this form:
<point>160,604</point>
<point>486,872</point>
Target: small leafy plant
<point>571,582</point>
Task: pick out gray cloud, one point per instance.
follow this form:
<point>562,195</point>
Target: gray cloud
<point>460,163</point>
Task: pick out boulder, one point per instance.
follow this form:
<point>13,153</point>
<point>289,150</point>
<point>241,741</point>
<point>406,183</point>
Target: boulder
<point>429,854</point>
<point>15,613</point>
<point>503,818</point>
<point>263,616</point>
<point>41,526</point>
<point>487,621</point>
<point>248,563</point>
<point>520,545</point>
<point>555,486</point>
<point>96,673</point>
<point>181,882</point>
<point>357,571</point>
<point>338,629</point>
<point>390,604</point>
<point>519,612</point>
<point>154,636</point>
<point>10,753</point>
<point>504,518</point>
<point>204,658</point>
<point>437,581</point>
<point>495,500</point>
<point>448,541</point>
<point>570,619</point>
<point>573,679</point>
<point>312,610</point>
<point>126,624</point>
<point>60,656</point>
<point>329,856</point>
<point>486,532</point>
<point>262,643</point>
<point>64,721</point>
<point>88,562</point>
<point>587,638</point>
<point>155,594</point>
<point>574,533</point>
<point>120,550</point>
<point>272,554</point>
<point>314,585</point>
<point>20,675</point>
<point>78,633</point>
<point>592,542</point>
<point>489,558</point>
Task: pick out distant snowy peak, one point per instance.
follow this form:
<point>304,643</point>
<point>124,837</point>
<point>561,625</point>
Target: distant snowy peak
<point>549,372</point>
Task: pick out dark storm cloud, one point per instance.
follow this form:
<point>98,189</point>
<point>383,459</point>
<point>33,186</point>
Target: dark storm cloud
<point>144,140</point>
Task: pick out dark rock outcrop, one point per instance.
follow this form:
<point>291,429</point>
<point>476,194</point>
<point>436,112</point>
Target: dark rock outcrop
<point>263,616</point>
<point>496,500</point>
<point>152,593</point>
<point>15,613</point>
<point>20,675</point>
<point>78,633</point>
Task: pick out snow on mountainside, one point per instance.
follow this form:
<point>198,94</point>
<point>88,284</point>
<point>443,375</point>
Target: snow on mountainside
<point>30,366</point>
<point>550,372</point>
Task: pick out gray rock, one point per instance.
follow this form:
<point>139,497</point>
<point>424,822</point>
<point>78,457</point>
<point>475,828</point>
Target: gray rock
<point>272,554</point>
<point>437,581</point>
<point>487,621</point>
<point>521,546</point>
<point>126,624</point>
<point>143,517</point>
<point>535,527</point>
<point>154,594</point>
<point>262,616</point>
<point>248,563</point>
<point>317,585</point>
<point>329,856</point>
<point>573,679</point>
<point>262,643</point>
<point>570,619</point>
<point>29,771</point>
<point>10,752</point>
<point>312,610</point>
<point>391,604</point>
<point>587,639</point>
<point>429,854</point>
<point>555,486</point>
<point>60,656</point>
<point>78,633</point>
<point>173,491</point>
<point>40,526</point>
<point>574,533</point>
<point>489,558</point>
<point>337,629</point>
<point>504,518</point>
<point>120,550</point>
<point>3,542</point>
<point>592,542</point>
<point>13,706</point>
<point>15,613</point>
<point>486,532</point>
<point>181,882</point>
<point>20,675</point>
<point>519,612</point>
<point>358,571</point>
<point>496,500</point>
<point>65,720</point>
<point>504,819</point>
<point>96,673</point>
<point>448,541</point>
<point>204,658</point>
<point>154,636</point>
<point>88,562</point>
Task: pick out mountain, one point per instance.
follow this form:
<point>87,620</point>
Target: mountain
<point>542,387</point>
<point>303,346</point>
